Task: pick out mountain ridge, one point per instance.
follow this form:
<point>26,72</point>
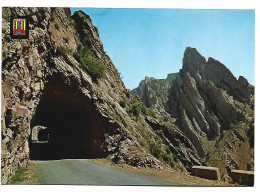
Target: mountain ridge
<point>206,100</point>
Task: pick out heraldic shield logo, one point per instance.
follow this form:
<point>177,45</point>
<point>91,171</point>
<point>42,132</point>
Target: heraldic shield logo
<point>19,27</point>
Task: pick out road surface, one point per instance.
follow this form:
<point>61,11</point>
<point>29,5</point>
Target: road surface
<point>87,172</point>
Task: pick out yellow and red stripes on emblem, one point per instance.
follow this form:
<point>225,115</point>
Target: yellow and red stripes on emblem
<point>23,24</point>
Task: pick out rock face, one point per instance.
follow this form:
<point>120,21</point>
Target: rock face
<point>210,104</point>
<point>45,85</point>
<point>154,93</point>
<point>213,109</point>
<point>177,142</point>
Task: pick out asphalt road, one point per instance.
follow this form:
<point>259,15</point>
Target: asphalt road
<point>87,172</point>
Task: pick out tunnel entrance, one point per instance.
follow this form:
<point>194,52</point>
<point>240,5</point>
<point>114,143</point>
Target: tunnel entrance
<point>74,128</point>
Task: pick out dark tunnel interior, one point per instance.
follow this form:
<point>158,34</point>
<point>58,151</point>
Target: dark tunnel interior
<point>74,128</point>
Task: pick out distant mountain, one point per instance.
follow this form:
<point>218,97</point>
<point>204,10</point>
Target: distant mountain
<point>210,106</point>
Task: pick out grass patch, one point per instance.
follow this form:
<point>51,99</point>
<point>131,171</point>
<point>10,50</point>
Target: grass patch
<point>19,176</point>
<point>25,175</point>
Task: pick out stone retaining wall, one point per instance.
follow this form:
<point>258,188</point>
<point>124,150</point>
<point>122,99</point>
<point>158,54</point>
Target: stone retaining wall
<point>243,177</point>
<point>206,172</point>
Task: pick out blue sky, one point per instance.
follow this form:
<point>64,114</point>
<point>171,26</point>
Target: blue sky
<point>151,42</point>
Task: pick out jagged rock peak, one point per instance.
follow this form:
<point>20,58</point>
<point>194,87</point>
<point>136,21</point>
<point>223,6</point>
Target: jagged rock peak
<point>193,61</point>
<point>82,14</point>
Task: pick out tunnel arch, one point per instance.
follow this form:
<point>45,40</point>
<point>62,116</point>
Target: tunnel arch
<point>75,128</point>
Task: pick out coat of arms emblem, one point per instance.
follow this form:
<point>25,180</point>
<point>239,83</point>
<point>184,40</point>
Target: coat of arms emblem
<point>19,27</point>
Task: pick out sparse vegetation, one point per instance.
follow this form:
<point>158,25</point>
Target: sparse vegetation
<point>19,176</point>
<point>181,168</point>
<point>137,107</point>
<point>142,143</point>
<point>25,175</point>
<point>93,66</point>
<point>165,118</point>
<point>163,155</point>
<point>85,57</point>
<point>119,119</point>
<point>122,103</point>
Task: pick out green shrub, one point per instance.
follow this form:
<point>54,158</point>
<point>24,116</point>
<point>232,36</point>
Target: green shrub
<point>168,157</point>
<point>165,118</point>
<point>155,150</point>
<point>93,66</point>
<point>84,56</point>
<point>168,150</point>
<point>86,41</point>
<point>175,158</point>
<point>142,143</point>
<point>122,103</point>
<point>138,107</point>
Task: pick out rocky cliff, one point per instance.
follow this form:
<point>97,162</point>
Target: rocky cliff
<point>154,94</point>
<point>62,97</point>
<point>212,108</point>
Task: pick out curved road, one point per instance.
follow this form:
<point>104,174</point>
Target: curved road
<point>86,172</point>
